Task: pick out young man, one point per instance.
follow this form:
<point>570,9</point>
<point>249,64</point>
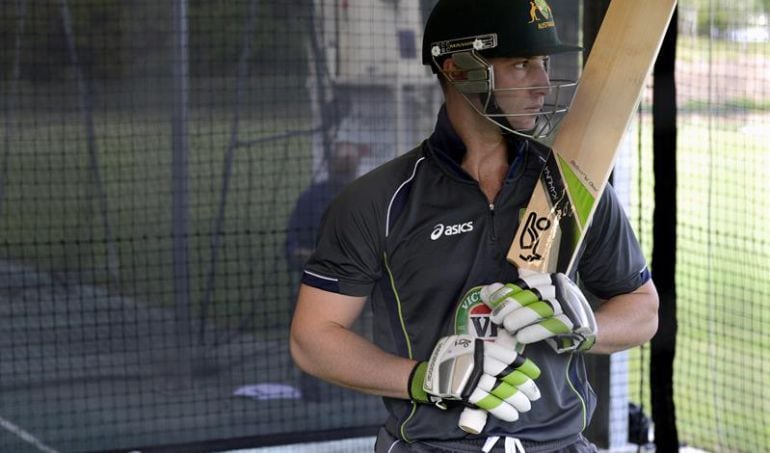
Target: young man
<point>419,233</point>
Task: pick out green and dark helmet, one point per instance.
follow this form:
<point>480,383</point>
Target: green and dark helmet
<point>471,31</point>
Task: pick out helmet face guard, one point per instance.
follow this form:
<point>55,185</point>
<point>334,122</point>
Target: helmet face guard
<point>475,80</point>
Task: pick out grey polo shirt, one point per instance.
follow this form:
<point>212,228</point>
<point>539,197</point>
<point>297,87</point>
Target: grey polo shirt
<point>416,233</point>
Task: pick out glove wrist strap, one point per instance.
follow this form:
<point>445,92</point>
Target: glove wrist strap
<point>416,379</point>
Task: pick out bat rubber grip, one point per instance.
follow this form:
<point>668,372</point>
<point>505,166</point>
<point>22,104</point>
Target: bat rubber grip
<point>472,421</point>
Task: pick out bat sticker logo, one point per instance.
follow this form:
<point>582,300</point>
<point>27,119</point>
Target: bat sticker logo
<point>530,236</point>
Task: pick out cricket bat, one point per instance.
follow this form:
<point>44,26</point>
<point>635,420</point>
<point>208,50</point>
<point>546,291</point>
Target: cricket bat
<point>586,144</point>
<point>585,147</point>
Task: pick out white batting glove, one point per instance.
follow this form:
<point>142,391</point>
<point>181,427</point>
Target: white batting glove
<point>479,374</point>
<point>543,307</point>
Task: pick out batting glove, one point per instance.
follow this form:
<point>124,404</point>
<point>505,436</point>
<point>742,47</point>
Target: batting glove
<point>477,373</point>
<point>543,307</point>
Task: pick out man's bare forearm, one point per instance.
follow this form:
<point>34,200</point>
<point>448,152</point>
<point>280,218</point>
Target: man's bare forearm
<point>322,344</point>
<point>627,320</point>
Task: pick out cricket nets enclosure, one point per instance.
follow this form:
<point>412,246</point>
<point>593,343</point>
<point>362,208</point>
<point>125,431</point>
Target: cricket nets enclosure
<point>151,157</point>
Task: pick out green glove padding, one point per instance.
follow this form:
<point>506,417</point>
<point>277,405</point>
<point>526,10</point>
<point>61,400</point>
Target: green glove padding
<point>543,307</point>
<point>478,374</point>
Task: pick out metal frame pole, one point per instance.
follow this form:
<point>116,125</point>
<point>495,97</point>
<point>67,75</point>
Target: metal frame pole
<point>180,205</point>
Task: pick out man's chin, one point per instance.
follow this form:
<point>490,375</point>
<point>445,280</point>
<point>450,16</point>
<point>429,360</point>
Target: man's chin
<point>523,126</point>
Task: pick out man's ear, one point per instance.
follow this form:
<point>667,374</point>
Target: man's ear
<point>468,73</point>
<point>448,65</point>
<point>450,68</point>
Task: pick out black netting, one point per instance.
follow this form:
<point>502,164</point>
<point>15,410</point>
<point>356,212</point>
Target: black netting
<point>163,166</point>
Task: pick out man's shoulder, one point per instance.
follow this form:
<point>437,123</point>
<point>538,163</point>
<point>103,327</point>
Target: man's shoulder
<point>390,175</point>
<point>372,194</point>
<point>398,166</point>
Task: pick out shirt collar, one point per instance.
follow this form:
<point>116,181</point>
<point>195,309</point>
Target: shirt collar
<point>445,140</point>
<point>449,147</point>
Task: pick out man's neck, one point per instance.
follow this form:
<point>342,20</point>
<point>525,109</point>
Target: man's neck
<point>488,165</point>
<point>486,157</point>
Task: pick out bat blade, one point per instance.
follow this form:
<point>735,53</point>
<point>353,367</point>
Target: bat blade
<point>586,144</point>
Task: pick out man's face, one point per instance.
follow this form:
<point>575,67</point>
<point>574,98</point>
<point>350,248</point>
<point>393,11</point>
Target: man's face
<point>521,85</point>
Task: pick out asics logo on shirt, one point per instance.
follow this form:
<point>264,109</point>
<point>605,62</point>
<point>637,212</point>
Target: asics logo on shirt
<point>450,230</point>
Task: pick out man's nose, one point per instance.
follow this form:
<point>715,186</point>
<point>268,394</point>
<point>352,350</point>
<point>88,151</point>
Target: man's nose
<point>541,82</point>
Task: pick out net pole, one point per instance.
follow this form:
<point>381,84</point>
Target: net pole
<point>180,204</point>
<point>10,97</point>
<point>325,94</point>
<point>86,108</point>
<point>227,172</point>
<point>663,344</point>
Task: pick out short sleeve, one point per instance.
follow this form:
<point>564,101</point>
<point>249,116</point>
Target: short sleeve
<point>348,257</point>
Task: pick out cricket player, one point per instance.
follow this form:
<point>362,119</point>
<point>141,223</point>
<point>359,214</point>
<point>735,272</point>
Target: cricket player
<point>421,235</point>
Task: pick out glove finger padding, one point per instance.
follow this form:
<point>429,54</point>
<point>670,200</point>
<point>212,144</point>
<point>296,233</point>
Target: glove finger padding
<point>524,296</point>
<point>543,307</point>
<point>483,374</point>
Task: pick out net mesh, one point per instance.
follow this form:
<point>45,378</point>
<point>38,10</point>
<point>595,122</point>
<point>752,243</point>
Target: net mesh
<point>152,155</point>
<point>161,180</point>
<point>723,258</point>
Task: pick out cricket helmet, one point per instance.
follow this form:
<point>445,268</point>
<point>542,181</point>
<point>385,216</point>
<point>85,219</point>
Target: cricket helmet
<point>472,31</point>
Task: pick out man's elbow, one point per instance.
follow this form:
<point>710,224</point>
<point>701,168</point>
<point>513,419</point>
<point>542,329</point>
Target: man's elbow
<point>653,327</point>
<point>299,353</point>
<point>651,307</point>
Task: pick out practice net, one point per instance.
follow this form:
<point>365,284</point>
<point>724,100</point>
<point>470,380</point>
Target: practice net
<point>723,252</point>
<point>163,167</point>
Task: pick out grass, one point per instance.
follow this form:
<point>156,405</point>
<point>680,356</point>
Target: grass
<point>696,49</point>
<point>740,105</point>
<point>51,212</point>
<point>724,285</point>
<point>723,289</point>
<point>723,263</point>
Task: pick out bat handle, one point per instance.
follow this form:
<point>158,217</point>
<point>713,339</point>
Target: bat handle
<point>472,421</point>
